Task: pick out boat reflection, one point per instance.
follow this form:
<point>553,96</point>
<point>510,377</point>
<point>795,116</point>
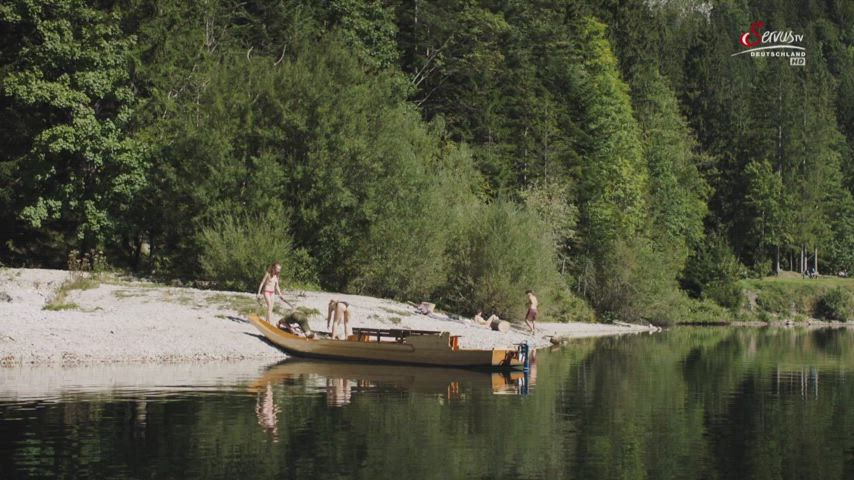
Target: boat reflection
<point>341,381</point>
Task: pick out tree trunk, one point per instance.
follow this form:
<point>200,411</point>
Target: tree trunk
<point>816,260</point>
<point>777,265</point>
<point>502,326</point>
<point>137,250</point>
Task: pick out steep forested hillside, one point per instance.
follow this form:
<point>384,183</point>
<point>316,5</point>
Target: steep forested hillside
<point>614,156</point>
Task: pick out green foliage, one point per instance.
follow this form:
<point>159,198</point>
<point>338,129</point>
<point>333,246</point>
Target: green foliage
<point>790,296</point>
<point>78,281</point>
<point>678,192</point>
<point>377,128</point>
<point>713,272</point>
<point>369,28</point>
<point>633,284</point>
<point>244,305</point>
<point>92,261</point>
<point>501,252</point>
<point>836,304</point>
<point>764,202</point>
<point>236,251</point>
<point>840,250</point>
<point>550,201</point>
<point>405,253</point>
<point>66,88</point>
<point>613,180</point>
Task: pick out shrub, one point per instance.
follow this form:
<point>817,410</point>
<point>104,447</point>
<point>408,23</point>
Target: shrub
<point>836,304</point>
<point>713,272</point>
<point>500,252</point>
<point>234,252</point>
<point>725,293</point>
<point>93,261</point>
<point>631,282</point>
<point>78,281</point>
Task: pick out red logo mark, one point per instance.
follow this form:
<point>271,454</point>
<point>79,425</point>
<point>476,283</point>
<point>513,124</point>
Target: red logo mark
<point>754,32</point>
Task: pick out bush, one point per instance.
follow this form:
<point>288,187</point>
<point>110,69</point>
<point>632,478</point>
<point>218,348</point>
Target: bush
<point>500,252</point>
<point>713,272</point>
<point>785,299</point>
<point>632,283</point>
<point>836,304</point>
<point>725,293</point>
<point>404,255</point>
<point>234,252</point>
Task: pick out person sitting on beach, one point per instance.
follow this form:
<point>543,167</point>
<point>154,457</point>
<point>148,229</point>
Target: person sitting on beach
<point>296,322</point>
<point>478,318</point>
<point>531,316</point>
<point>341,312</point>
<point>270,286</point>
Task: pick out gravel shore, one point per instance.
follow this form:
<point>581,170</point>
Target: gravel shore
<point>137,321</point>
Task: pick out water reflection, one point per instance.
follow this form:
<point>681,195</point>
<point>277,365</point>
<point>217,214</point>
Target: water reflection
<point>267,412</point>
<point>688,403</point>
<point>341,381</point>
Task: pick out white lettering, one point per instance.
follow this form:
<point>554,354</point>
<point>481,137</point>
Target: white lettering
<point>781,37</point>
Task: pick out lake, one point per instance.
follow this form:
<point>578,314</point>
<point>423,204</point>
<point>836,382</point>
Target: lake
<point>713,403</point>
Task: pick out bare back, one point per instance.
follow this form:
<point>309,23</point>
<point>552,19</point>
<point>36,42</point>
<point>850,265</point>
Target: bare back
<point>533,303</point>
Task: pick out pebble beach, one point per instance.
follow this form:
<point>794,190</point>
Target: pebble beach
<point>125,320</point>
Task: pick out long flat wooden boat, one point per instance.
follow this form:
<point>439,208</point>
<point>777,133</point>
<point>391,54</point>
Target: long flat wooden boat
<point>417,347</point>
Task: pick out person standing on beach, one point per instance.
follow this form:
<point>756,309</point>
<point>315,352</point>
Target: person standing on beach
<point>270,286</point>
<point>531,316</point>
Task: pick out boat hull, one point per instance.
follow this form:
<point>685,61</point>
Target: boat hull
<point>415,350</point>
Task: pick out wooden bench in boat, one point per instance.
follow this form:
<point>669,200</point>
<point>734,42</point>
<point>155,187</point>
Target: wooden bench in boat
<point>399,335</point>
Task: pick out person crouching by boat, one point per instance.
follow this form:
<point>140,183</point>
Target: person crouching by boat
<point>296,322</point>
<point>340,310</point>
<point>270,286</point>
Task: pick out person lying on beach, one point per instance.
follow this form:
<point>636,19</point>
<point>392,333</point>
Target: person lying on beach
<point>425,308</point>
<point>478,318</point>
<point>296,322</point>
<point>340,310</point>
<point>531,316</point>
<point>270,286</point>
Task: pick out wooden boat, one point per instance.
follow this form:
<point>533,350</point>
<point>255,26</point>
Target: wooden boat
<point>417,347</point>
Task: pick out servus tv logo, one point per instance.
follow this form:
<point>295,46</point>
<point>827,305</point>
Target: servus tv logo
<point>770,43</point>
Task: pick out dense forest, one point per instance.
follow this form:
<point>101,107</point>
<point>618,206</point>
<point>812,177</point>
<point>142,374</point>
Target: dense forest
<point>614,156</point>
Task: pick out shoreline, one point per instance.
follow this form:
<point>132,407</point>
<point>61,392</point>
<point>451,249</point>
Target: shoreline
<point>134,321</point>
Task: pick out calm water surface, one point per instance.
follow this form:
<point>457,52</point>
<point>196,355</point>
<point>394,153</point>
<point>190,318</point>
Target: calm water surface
<point>688,403</point>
